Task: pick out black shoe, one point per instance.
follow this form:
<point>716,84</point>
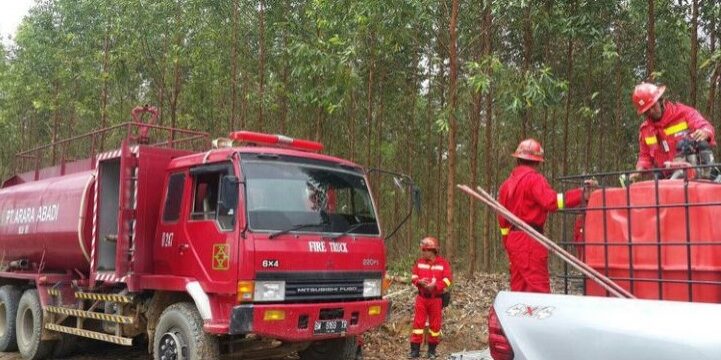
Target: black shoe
<point>415,351</point>
<point>431,351</point>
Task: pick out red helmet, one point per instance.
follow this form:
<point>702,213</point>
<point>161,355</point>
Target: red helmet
<point>529,149</point>
<point>429,243</point>
<point>645,95</point>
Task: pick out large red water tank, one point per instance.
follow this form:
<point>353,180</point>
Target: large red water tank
<point>660,244</point>
<point>48,222</point>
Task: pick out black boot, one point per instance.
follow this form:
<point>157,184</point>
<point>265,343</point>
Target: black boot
<point>415,351</point>
<point>431,351</point>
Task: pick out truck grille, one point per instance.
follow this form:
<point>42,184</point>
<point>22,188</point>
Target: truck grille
<point>307,286</point>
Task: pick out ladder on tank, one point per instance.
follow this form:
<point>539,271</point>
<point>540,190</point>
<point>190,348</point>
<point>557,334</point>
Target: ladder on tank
<point>125,247</point>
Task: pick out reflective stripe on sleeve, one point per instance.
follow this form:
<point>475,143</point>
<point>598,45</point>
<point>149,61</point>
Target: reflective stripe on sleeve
<point>505,231</point>
<point>651,140</point>
<point>559,201</point>
<point>448,282</point>
<point>673,129</point>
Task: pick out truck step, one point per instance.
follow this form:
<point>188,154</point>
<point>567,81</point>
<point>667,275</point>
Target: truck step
<point>91,334</point>
<point>90,315</point>
<point>125,299</point>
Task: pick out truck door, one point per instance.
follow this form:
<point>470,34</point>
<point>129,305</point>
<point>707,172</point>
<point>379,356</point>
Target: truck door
<point>168,249</point>
<point>210,237</point>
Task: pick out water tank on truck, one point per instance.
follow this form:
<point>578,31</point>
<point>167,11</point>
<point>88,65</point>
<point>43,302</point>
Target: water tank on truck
<point>47,224</point>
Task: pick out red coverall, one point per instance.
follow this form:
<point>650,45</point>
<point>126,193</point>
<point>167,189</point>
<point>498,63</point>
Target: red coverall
<point>527,194</point>
<point>657,140</point>
<point>429,303</point>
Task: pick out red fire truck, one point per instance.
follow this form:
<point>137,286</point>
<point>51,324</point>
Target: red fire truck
<point>258,245</point>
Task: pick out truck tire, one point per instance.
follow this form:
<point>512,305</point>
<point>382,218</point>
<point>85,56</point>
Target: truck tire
<point>9,299</point>
<point>180,336</point>
<point>29,322</point>
<point>334,349</point>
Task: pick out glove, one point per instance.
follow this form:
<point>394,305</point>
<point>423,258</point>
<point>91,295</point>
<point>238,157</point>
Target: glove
<point>700,135</point>
<point>634,177</point>
<point>588,186</point>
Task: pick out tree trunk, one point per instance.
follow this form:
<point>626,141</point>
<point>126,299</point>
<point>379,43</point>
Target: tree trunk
<point>177,83</point>
<point>452,130</point>
<point>244,101</point>
<point>352,118</point>
<point>710,106</point>
<point>526,118</point>
<point>694,51</point>
<point>261,63</point>
<point>379,121</point>
<point>569,77</point>
<point>618,113</point>
<point>475,129</point>
<point>438,204</point>
<point>489,153</point>
<point>284,77</point>
<point>475,120</point>
<point>56,119</point>
<point>104,91</point>
<point>589,122</point>
<point>651,43</point>
<point>234,67</point>
<point>430,153</point>
<point>369,102</point>
<point>320,116</point>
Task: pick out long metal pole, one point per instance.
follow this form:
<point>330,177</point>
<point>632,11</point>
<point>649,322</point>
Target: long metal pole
<point>591,273</point>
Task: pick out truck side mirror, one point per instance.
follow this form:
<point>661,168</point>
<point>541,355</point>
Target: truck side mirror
<point>229,192</point>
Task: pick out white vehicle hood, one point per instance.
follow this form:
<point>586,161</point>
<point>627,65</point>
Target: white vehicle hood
<point>564,327</point>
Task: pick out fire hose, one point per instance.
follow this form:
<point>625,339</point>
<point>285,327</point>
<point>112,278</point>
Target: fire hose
<point>585,269</point>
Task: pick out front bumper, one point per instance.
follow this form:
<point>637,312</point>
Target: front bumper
<point>299,319</point>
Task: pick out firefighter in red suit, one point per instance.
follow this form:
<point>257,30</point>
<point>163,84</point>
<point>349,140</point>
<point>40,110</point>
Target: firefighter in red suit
<point>666,123</point>
<point>432,276</point>
<point>527,194</point>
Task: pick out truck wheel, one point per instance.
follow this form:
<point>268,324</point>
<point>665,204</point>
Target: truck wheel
<point>180,336</point>
<point>29,323</point>
<point>334,349</point>
<point>9,299</point>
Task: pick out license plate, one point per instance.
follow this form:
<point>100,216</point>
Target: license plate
<point>323,327</point>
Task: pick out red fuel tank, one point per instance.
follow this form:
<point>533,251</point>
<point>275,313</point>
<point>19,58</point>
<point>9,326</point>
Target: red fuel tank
<point>48,222</point>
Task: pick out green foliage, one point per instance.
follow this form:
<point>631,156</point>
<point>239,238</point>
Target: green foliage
<point>369,78</point>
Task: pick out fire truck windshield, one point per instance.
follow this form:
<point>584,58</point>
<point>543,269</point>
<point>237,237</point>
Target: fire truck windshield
<point>284,193</point>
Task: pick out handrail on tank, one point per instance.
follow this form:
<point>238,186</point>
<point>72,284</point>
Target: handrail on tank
<point>34,159</point>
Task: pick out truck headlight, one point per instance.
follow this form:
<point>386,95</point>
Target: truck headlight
<point>269,291</point>
<point>372,288</point>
